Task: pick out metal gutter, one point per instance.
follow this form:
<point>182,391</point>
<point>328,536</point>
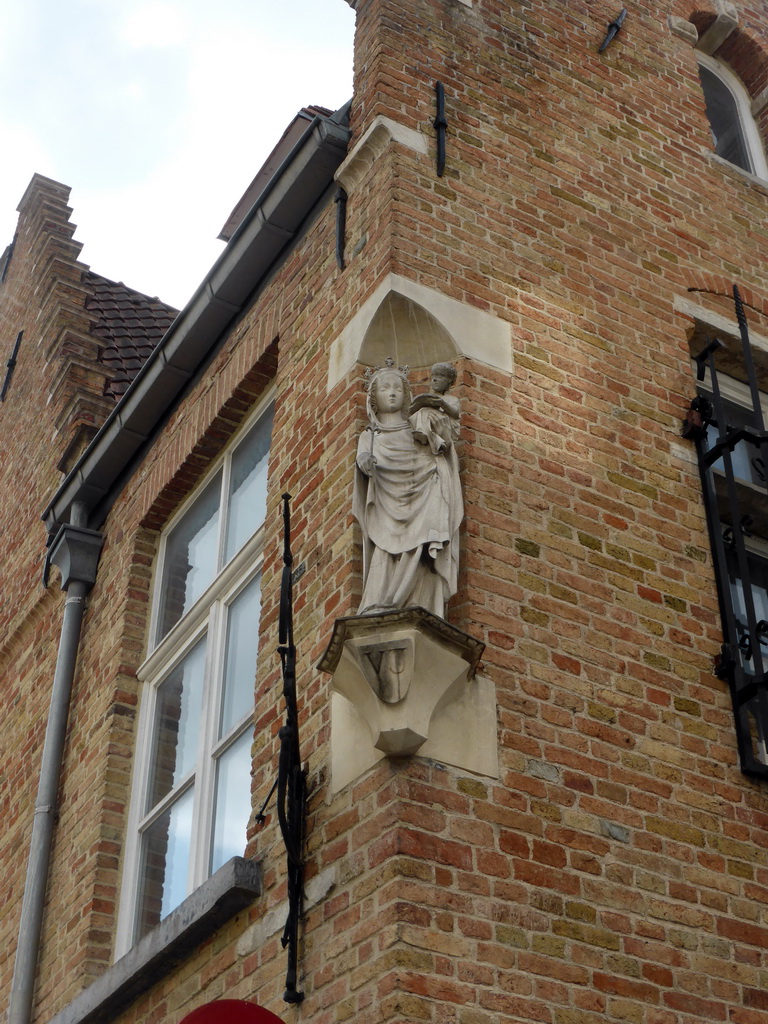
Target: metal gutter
<point>266,232</point>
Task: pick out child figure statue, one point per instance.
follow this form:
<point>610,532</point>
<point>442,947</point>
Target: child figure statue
<point>434,416</point>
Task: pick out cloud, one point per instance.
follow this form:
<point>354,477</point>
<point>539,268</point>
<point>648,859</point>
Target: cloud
<point>158,114</point>
<point>160,25</point>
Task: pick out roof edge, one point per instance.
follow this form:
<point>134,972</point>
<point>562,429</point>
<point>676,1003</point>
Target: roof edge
<point>266,231</point>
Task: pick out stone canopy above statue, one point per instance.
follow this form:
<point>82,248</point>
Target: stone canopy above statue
<point>407,332</point>
<point>417,326</point>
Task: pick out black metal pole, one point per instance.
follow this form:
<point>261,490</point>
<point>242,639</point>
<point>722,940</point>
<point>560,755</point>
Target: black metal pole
<point>291,781</point>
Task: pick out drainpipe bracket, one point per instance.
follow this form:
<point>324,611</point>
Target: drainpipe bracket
<point>75,551</point>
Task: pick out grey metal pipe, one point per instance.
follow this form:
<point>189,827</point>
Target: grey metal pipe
<point>31,923</point>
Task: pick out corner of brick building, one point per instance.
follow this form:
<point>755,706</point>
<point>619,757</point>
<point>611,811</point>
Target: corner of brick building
<point>586,567</point>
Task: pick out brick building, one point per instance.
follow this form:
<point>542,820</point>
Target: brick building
<point>574,828</point>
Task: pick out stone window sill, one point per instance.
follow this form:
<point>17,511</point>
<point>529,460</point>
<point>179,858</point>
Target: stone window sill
<point>234,886</point>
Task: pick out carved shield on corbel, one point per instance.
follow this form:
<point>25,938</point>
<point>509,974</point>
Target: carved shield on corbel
<point>387,666</point>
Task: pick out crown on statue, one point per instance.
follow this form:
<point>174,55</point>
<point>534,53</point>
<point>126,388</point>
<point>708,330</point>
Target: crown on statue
<point>389,364</point>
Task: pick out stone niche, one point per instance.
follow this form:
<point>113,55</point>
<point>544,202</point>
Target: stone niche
<point>406,682</point>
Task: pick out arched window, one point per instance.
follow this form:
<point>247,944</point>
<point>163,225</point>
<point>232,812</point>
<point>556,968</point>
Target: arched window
<point>734,132</point>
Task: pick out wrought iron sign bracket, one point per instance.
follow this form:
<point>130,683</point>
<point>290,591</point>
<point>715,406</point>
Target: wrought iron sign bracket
<point>291,781</point>
<point>291,776</point>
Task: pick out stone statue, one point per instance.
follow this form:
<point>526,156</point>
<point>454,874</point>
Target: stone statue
<point>408,494</point>
<point>435,416</point>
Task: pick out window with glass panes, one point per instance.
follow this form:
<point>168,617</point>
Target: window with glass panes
<point>727,422</point>
<point>751,661</point>
<point>746,460</point>
<point>735,136</point>
<point>191,801</point>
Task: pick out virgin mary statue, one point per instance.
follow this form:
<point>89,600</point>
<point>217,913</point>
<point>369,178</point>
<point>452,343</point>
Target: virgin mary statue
<point>408,503</point>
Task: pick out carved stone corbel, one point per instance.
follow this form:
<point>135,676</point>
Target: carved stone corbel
<point>726,20</point>
<point>399,674</point>
<point>371,147</point>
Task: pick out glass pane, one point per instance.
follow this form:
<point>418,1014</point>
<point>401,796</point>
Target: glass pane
<point>177,725</point>
<point>191,554</point>
<point>743,454</point>
<point>746,458</point>
<point>166,863</point>
<point>233,801</point>
<point>760,602</point>
<point>743,457</point>
<point>754,719</point>
<point>248,485</point>
<point>240,663</point>
<point>724,120</point>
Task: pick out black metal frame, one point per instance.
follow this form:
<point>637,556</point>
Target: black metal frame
<point>744,656</point>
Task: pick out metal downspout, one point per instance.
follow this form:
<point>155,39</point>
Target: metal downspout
<point>76,551</point>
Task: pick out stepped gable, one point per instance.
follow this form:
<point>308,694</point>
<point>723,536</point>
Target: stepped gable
<point>129,323</point>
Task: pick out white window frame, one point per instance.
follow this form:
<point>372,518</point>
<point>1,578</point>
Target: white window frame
<point>734,391</point>
<point>207,617</point>
<point>749,130</point>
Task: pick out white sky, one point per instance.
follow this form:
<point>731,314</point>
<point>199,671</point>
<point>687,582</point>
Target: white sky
<point>158,113</point>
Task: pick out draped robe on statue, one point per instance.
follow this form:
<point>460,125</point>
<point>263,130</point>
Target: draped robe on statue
<point>410,508</point>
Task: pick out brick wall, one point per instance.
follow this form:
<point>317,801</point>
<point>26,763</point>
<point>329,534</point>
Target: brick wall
<point>617,868</point>
<point>39,296</point>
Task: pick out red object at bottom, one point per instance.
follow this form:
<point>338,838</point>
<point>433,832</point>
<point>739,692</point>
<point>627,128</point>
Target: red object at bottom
<point>231,1011</point>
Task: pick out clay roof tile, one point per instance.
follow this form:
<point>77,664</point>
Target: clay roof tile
<point>129,323</point>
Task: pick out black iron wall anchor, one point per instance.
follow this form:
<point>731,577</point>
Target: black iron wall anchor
<point>11,365</point>
<point>291,778</point>
<point>440,125</point>
<point>613,29</point>
<point>341,226</point>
